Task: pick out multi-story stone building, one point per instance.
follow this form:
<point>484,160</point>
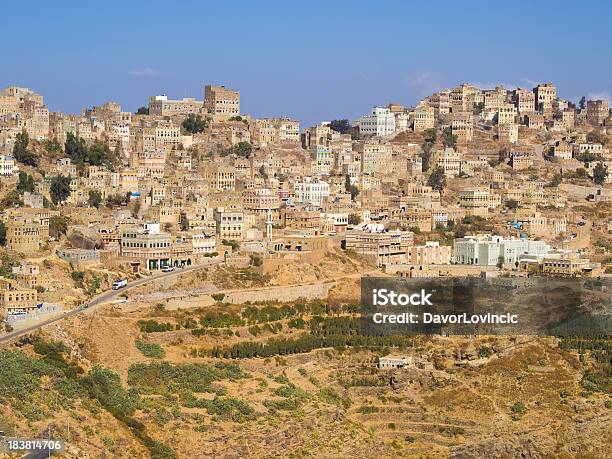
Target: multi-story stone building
<point>524,100</point>
<point>507,132</point>
<point>317,135</point>
<point>146,246</point>
<point>27,229</point>
<point>230,224</point>
<point>463,126</point>
<point>162,106</point>
<point>545,94</point>
<point>478,201</point>
<point>383,247</point>
<point>15,299</point>
<point>221,102</point>
<point>424,119</point>
<point>597,112</point>
<point>432,253</point>
<point>220,177</point>
<point>506,114</point>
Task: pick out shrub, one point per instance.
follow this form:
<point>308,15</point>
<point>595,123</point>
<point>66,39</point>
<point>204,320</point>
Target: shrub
<point>151,350</point>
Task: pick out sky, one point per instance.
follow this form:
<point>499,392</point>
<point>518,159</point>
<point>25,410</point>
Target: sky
<point>310,60</point>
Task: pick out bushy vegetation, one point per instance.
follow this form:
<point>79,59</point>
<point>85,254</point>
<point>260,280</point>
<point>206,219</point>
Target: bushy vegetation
<point>151,350</point>
<point>38,387</point>
<point>153,326</point>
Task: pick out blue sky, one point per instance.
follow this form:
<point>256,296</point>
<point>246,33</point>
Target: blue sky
<point>311,60</point>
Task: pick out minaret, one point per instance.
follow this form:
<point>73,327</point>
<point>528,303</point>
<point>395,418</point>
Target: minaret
<point>269,223</point>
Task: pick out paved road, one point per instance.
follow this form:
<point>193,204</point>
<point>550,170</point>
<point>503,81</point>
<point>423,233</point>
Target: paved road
<point>104,297</point>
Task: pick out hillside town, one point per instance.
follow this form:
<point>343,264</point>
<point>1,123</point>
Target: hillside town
<point>470,181</point>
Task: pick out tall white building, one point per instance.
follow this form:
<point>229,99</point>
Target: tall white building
<point>490,250</point>
<point>311,191</point>
<point>380,123</point>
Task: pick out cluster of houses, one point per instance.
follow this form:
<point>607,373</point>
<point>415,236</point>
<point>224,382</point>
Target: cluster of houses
<point>199,178</point>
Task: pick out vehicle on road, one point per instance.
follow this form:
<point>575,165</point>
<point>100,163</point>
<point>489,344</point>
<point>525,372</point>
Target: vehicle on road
<point>119,284</point>
<point>167,269</point>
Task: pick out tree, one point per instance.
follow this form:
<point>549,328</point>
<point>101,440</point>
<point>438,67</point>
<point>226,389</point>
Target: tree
<point>354,219</point>
<point>426,150</point>
<point>431,135</point>
<point>194,123</point>
<point>95,198</point>
<point>580,173</point>
<point>26,183</point>
<point>437,179</point>
<point>10,199</point>
<point>595,137</point>
<point>76,149</point>
<point>58,225</point>
<point>448,138</point>
<point>52,146</point>
<point>478,108</point>
<point>343,126</point>
<point>21,152</point>
<point>243,149</point>
<point>142,111</point>
<point>582,103</point>
<point>60,188</point>
<point>600,173</point>
<point>2,233</point>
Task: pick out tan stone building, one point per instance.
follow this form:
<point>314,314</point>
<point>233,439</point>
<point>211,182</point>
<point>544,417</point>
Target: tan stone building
<point>524,100</point>
<point>220,177</point>
<point>597,112</point>
<point>162,106</point>
<point>506,114</point>
<point>463,126</point>
<point>508,133</point>
<point>15,299</point>
<point>423,119</point>
<point>221,102</point>
<point>545,94</point>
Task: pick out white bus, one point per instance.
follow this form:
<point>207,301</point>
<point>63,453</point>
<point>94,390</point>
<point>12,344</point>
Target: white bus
<point>119,284</point>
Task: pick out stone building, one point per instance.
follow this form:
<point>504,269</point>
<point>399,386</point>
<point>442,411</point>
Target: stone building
<point>432,253</point>
<point>524,100</point>
<point>27,229</point>
<point>230,224</point>
<point>423,119</point>
<point>162,106</point>
<point>597,112</point>
<point>15,299</point>
<point>545,94</point>
<point>146,246</point>
<point>506,114</point>
<point>463,126</point>
<point>507,133</point>
<point>221,102</point>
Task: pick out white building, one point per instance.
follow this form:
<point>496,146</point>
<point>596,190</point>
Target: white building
<point>491,250</point>
<point>380,123</point>
<point>8,168</point>
<point>311,191</point>
<point>203,244</point>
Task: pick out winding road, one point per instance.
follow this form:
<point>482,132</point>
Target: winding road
<point>102,298</point>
